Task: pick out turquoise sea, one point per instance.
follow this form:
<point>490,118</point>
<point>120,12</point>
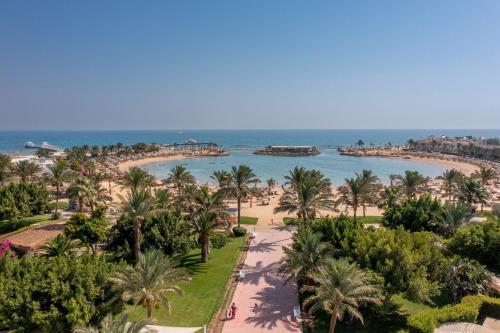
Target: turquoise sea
<point>333,165</point>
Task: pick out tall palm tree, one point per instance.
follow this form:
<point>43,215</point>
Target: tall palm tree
<point>136,205</point>
<point>79,190</point>
<point>352,192</point>
<point>149,281</point>
<point>371,186</point>
<point>222,178</point>
<point>308,194</point>
<point>393,178</point>
<point>485,175</point>
<point>162,198</point>
<point>451,180</point>
<point>180,177</point>
<point>240,185</point>
<point>5,165</point>
<point>339,288</point>
<point>472,192</point>
<point>204,201</point>
<point>271,183</point>
<point>306,254</point>
<point>58,246</point>
<point>413,183</point>
<point>119,324</point>
<point>26,169</point>
<point>57,175</point>
<point>390,196</point>
<point>136,177</point>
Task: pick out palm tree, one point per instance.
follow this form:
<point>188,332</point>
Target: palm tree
<point>5,165</point>
<point>149,281</point>
<point>57,175</point>
<point>98,193</point>
<point>25,169</point>
<point>389,197</point>
<point>352,191</point>
<point>79,190</point>
<point>136,177</point>
<point>204,201</point>
<point>451,179</point>
<point>485,175</point>
<point>393,178</point>
<point>455,215</point>
<point>180,177</point>
<point>222,178</point>
<point>339,288</point>
<point>136,205</point>
<point>271,183</point>
<point>413,183</point>
<point>240,185</point>
<point>58,246</point>
<point>308,194</point>
<point>116,325</point>
<point>163,198</point>
<point>370,185</point>
<point>472,192</point>
<point>204,224</point>
<point>307,253</point>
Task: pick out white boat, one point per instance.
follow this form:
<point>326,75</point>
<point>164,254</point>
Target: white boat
<point>29,144</point>
<point>193,141</point>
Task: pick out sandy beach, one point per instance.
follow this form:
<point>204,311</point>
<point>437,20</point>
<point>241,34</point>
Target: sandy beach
<point>464,167</point>
<point>123,166</point>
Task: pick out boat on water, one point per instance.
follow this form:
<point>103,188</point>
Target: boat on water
<point>29,144</point>
<point>44,145</point>
<point>191,141</point>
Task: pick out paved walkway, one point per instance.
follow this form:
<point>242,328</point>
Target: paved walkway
<point>263,286</point>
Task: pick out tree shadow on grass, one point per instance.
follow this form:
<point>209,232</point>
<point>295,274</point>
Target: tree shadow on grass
<point>191,262</point>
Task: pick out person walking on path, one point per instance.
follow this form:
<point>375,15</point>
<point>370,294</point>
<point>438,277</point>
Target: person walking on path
<point>233,310</point>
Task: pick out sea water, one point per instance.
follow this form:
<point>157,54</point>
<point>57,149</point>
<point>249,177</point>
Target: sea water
<point>333,165</point>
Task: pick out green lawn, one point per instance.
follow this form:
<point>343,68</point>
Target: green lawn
<point>365,220</point>
<point>7,226</point>
<point>248,220</point>
<point>62,205</point>
<point>203,294</point>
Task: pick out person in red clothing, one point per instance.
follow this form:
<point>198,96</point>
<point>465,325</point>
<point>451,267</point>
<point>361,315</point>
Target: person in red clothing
<point>233,310</point>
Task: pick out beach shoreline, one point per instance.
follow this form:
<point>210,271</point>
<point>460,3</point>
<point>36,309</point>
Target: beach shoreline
<point>464,167</point>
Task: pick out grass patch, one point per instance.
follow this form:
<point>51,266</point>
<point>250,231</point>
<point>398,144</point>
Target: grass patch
<point>369,219</point>
<point>202,296</point>
<point>248,220</point>
<point>61,205</point>
<point>7,226</point>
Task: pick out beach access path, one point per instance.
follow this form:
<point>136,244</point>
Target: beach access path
<point>262,285</point>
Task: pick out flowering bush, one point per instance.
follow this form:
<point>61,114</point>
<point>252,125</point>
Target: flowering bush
<point>5,246</point>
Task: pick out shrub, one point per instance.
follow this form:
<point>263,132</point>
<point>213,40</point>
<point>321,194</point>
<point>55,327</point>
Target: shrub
<point>480,242</point>
<point>218,240</point>
<point>422,214</point>
<point>469,310</point>
<point>23,200</point>
<point>239,231</point>
<point>55,216</point>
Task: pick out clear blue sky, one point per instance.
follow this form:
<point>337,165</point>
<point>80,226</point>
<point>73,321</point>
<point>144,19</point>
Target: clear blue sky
<point>249,64</point>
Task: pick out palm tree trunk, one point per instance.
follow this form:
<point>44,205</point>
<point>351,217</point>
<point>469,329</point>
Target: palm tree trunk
<point>364,210</point>
<point>80,203</point>
<point>333,321</point>
<point>204,248</point>
<point>150,311</point>
<point>137,240</point>
<point>354,209</point>
<point>239,208</point>
<point>57,197</point>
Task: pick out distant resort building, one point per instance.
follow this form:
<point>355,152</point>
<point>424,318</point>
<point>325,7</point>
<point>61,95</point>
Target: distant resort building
<point>288,151</point>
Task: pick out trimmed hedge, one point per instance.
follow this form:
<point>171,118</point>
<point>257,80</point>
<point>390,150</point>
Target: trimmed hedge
<point>469,310</point>
<point>239,231</point>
